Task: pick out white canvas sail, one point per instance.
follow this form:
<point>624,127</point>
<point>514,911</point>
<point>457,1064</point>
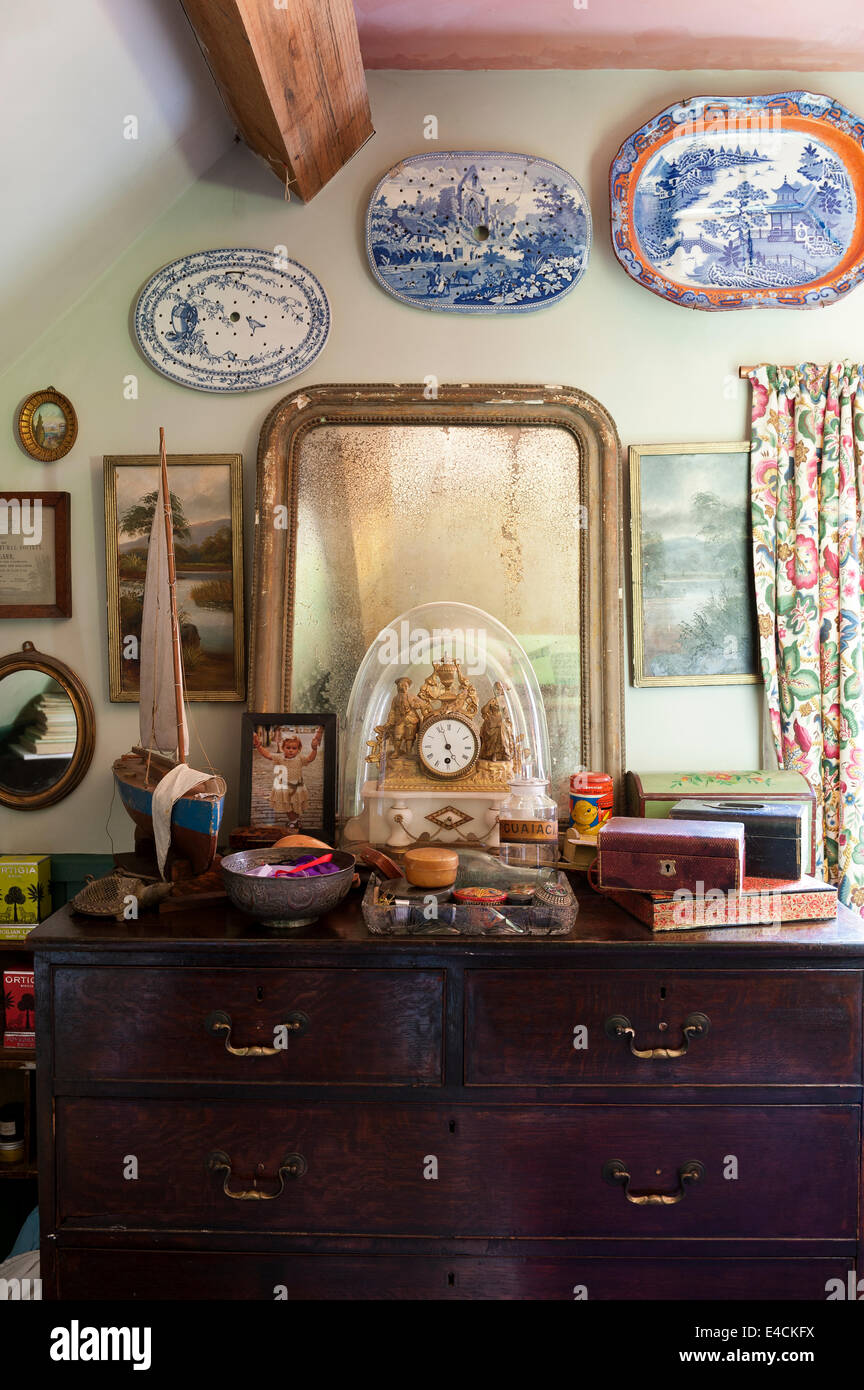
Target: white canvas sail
<point>158,702</point>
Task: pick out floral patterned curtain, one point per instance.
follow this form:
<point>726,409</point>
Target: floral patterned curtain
<point>808,546</point>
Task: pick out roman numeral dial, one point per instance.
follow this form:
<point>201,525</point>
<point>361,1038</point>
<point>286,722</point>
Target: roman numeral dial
<point>448,745</point>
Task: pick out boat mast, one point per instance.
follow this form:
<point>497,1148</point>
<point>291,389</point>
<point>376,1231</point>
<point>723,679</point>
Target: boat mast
<point>172,599</point>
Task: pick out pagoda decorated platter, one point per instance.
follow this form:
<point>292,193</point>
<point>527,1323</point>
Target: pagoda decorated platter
<point>743,202</point>
<point>478,232</point>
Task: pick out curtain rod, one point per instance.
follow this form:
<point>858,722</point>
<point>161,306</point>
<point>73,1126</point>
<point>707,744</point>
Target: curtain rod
<point>745,371</point>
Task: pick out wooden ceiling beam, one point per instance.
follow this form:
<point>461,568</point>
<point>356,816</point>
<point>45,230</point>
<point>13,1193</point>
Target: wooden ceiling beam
<point>291,76</point>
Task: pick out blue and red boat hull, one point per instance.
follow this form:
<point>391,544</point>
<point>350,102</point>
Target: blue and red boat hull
<point>195,820</point>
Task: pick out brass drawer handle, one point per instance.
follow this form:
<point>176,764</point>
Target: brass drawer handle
<point>615,1172</point>
<point>292,1166</point>
<point>219,1021</point>
<point>695,1026</point>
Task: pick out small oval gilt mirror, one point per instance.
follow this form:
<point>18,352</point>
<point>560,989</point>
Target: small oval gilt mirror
<point>47,730</point>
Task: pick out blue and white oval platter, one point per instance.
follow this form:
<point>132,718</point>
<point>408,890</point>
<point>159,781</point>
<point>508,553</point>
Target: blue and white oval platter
<point>235,319</point>
<point>478,232</point>
<point>743,202</point>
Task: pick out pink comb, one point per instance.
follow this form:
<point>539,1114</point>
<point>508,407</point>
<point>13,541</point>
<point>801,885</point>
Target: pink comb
<point>309,864</point>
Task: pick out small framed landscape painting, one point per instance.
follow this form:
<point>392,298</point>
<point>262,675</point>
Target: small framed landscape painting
<point>288,768</point>
<point>206,508</point>
<point>693,607</point>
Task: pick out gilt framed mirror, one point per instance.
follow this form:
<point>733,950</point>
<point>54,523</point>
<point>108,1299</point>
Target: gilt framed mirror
<point>372,499</point>
<point>47,730</point>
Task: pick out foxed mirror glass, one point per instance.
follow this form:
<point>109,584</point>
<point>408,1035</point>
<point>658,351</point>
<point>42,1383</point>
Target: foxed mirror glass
<point>46,729</point>
<point>373,499</point>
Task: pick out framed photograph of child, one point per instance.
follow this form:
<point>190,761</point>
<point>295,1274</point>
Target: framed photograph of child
<point>288,768</point>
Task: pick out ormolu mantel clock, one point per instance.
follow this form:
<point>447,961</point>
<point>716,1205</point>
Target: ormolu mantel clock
<point>434,738</point>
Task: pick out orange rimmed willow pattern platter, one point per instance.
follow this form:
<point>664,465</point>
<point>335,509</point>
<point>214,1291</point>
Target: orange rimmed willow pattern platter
<point>743,202</point>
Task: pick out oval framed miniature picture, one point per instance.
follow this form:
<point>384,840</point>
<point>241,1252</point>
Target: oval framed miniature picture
<point>743,202</point>
<point>47,425</point>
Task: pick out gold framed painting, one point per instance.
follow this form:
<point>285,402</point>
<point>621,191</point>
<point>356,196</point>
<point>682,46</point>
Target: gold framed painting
<point>207,510</point>
<point>694,612</point>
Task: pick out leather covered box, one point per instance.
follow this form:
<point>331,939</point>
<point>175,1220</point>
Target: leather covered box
<point>660,856</point>
<point>772,832</point>
<point>655,793</point>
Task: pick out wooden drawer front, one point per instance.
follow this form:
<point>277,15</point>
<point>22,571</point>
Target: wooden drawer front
<point>364,1026</point>
<point>783,1027</point>
<point>108,1274</point>
<point>496,1171</point>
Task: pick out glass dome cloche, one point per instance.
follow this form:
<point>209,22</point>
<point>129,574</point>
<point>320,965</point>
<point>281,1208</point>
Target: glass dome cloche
<point>444,712</point>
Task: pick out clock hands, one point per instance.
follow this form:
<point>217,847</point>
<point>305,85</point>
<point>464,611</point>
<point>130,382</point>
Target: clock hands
<point>451,759</point>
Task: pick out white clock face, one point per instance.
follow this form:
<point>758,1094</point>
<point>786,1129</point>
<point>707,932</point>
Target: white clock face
<point>448,747</point>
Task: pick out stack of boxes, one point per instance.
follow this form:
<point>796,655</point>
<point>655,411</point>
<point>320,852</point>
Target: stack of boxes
<point>671,838</point>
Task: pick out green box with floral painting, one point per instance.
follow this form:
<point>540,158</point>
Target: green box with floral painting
<point>655,793</point>
<point>25,893</point>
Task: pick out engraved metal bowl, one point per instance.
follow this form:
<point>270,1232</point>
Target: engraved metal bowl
<point>286,903</point>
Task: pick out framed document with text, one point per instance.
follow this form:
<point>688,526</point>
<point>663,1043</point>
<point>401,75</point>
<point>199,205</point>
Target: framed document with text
<point>35,561</point>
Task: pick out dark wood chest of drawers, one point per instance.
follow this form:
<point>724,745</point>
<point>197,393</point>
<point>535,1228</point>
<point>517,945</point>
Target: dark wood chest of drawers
<point>608,1115</point>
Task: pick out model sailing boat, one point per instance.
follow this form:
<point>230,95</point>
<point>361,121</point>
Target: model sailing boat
<point>174,807</point>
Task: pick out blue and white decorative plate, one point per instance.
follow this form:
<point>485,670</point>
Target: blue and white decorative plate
<point>232,320</point>
<point>478,232</point>
<point>743,202</point>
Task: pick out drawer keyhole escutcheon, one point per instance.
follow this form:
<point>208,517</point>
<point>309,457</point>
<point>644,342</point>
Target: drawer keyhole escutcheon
<point>219,1024</point>
<point>695,1026</point>
<point>617,1173</point>
<point>292,1166</point>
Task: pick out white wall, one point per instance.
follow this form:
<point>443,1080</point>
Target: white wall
<point>664,373</point>
<point>76,189</point>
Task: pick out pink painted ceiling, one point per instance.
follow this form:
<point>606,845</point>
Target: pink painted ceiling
<point>790,34</point>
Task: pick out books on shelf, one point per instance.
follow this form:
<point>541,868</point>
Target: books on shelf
<point>47,728</point>
<point>44,750</point>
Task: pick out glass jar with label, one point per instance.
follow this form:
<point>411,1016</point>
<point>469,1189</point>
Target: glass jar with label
<point>528,825</point>
<point>11,1121</point>
<point>12,1133</point>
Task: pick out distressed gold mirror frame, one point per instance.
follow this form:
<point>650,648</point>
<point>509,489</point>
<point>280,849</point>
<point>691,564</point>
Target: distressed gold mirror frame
<point>600,622</point>
<point>29,659</point>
